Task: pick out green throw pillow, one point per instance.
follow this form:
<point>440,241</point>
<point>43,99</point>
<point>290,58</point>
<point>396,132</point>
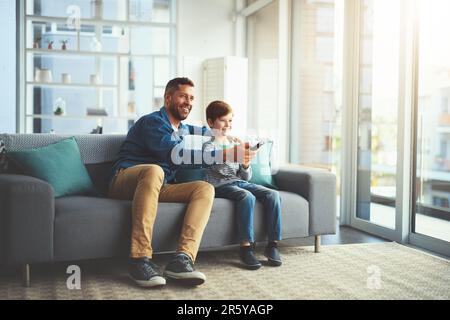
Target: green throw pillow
<point>58,164</point>
<point>261,167</point>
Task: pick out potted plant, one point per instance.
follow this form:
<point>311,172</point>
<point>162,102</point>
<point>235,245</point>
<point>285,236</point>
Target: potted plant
<point>59,107</point>
<point>50,45</point>
<point>59,111</point>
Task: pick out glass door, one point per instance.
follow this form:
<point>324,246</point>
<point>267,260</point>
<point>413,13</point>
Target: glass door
<point>397,125</point>
<point>379,65</point>
<point>431,217</point>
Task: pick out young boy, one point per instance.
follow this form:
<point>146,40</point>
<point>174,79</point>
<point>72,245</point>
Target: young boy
<point>231,182</point>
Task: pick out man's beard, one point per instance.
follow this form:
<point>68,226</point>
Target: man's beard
<point>173,109</point>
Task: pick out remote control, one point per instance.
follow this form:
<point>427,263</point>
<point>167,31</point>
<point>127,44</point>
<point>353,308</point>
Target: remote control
<point>257,146</point>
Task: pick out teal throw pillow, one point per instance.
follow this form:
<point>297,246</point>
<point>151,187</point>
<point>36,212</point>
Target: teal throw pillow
<point>59,164</point>
<point>262,167</point>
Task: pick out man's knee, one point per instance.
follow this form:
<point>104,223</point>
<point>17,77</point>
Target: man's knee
<point>152,173</point>
<point>204,188</point>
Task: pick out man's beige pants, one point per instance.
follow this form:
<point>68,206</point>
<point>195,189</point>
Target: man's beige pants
<point>143,184</point>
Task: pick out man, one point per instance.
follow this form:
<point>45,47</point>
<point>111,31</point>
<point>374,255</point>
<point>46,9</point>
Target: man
<point>145,173</point>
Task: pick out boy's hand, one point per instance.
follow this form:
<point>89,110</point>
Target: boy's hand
<point>239,154</point>
<point>236,140</point>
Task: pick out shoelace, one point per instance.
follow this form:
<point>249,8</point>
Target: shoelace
<point>149,268</point>
<point>186,261</point>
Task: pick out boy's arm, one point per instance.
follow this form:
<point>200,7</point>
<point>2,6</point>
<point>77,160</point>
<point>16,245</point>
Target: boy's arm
<point>245,174</point>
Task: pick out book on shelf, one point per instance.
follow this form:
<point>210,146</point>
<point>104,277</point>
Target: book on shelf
<point>96,112</point>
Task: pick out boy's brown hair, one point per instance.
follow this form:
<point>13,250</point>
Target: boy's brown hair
<point>217,109</point>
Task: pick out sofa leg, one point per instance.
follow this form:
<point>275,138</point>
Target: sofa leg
<point>317,244</point>
<point>26,275</point>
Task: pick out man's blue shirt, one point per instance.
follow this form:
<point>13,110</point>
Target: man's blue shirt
<point>151,141</point>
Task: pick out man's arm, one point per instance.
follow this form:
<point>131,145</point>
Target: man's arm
<point>199,131</point>
<point>162,143</point>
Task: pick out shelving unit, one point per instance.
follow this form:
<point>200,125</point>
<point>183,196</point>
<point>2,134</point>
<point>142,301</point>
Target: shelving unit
<point>97,54</point>
<point>40,116</point>
<point>131,60</point>
<point>70,85</point>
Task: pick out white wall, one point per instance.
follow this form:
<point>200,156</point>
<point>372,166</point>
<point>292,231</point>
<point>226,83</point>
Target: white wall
<point>205,30</point>
<point>8,67</point>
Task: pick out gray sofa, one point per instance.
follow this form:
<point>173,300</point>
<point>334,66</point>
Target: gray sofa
<point>37,228</point>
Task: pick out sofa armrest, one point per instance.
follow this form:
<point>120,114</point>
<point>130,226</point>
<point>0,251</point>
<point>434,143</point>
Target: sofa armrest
<point>318,187</point>
<point>27,215</point>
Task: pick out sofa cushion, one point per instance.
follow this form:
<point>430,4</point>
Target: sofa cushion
<point>222,225</point>
<point>94,148</point>
<point>59,164</point>
<point>88,227</point>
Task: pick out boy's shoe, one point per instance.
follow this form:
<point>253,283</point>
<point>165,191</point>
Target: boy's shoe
<point>273,254</point>
<point>144,272</point>
<point>247,255</point>
<point>181,268</point>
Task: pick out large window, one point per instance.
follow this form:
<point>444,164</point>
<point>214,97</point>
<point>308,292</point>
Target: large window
<point>263,57</point>
<point>8,66</point>
<point>432,216</point>
<point>378,109</point>
<point>94,66</point>
<point>316,98</point>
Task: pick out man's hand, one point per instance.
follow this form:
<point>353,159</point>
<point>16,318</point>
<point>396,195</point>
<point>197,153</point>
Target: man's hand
<point>239,154</point>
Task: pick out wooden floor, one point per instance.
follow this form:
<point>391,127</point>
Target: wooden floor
<point>344,235</point>
<point>348,235</point>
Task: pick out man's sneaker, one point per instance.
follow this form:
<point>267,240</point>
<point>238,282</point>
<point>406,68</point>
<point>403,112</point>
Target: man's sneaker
<point>247,255</point>
<point>181,268</point>
<point>144,272</point>
<point>272,254</point>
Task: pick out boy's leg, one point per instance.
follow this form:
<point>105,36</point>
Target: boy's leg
<point>272,207</point>
<point>142,184</point>
<point>199,196</point>
<point>245,204</point>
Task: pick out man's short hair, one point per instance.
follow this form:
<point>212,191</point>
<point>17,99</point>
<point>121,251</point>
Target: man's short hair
<point>217,109</point>
<point>174,84</point>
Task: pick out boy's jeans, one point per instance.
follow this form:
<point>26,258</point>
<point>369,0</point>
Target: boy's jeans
<point>245,195</point>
